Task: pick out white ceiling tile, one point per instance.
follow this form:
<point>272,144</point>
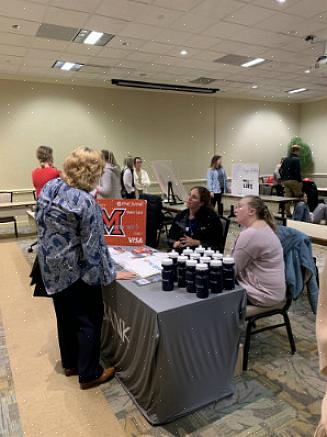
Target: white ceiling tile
<point>22,9</point>
<point>217,10</point>
<point>49,44</point>
<point>64,17</point>
<point>9,68</point>
<point>43,54</point>
<point>37,62</point>
<point>141,57</point>
<point>308,9</point>
<point>273,4</point>
<point>16,40</point>
<point>111,52</point>
<point>155,47</point>
<point>25,27</point>
<point>225,30</point>
<point>175,51</point>
<point>122,9</point>
<point>282,23</point>
<point>100,23</point>
<point>77,5</point>
<point>126,43</point>
<point>83,49</point>
<point>178,5</point>
<point>208,55</point>
<point>173,37</point>
<point>201,42</point>
<point>12,50</point>
<point>193,23</point>
<point>142,31</point>
<point>157,16</point>
<point>249,15</point>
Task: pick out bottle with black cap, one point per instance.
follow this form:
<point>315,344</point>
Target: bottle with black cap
<point>181,271</point>
<point>174,255</point>
<point>190,275</point>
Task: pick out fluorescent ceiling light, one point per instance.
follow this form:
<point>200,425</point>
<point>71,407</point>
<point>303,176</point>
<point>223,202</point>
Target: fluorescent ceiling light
<point>67,66</point>
<point>297,90</point>
<point>93,38</point>
<point>253,62</point>
<point>163,86</point>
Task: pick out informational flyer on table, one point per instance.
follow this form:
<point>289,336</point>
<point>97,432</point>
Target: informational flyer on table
<point>245,179</point>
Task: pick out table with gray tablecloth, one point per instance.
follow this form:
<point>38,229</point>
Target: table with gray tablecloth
<point>173,352</point>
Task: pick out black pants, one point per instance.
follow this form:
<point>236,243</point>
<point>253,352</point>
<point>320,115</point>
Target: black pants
<point>217,199</point>
<point>131,195</point>
<point>79,311</point>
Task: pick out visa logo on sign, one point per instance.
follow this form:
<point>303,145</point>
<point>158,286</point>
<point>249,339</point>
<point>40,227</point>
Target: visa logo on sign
<point>114,222</point>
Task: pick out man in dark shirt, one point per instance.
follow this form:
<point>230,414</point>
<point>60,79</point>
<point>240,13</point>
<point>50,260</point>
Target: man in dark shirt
<point>290,172</point>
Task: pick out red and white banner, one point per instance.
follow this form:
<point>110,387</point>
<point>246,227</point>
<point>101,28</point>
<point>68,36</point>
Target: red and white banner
<point>124,220</point>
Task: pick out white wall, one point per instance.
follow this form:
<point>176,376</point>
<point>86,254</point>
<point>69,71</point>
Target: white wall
<point>154,125</point>
<point>313,117</point>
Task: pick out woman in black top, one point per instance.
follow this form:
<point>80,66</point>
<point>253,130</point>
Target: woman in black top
<point>198,224</point>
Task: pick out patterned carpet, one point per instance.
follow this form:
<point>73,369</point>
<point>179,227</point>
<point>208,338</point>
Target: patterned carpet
<point>279,395</point>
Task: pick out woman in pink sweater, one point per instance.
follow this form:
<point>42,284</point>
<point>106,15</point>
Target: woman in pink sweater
<point>258,254</point>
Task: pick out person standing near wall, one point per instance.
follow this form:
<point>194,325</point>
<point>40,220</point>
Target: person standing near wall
<point>43,174</point>
<point>127,179</point>
<point>141,177</point>
<point>110,186</point>
<point>217,182</point>
<point>290,172</point>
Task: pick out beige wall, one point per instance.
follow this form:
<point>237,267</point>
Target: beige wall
<point>154,125</point>
<point>313,131</point>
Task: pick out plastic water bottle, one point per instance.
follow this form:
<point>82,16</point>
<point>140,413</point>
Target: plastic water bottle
<point>167,274</point>
<point>216,278</point>
<point>200,249</point>
<point>173,255</point>
<point>229,272</point>
<point>202,281</point>
<point>181,271</point>
<point>209,252</point>
<point>196,256</point>
<point>187,252</point>
<point>190,275</point>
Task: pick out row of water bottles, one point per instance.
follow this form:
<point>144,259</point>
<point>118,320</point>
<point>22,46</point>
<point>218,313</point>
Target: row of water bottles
<point>200,271</point>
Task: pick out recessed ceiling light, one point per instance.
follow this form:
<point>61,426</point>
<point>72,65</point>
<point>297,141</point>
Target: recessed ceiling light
<point>91,37</point>
<point>183,52</point>
<point>67,66</point>
<point>254,86</point>
<point>280,1</point>
<point>253,62</point>
<point>307,71</point>
<point>297,90</point>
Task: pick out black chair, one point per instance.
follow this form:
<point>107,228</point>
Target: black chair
<point>154,219</point>
<point>225,224</point>
<point>255,313</point>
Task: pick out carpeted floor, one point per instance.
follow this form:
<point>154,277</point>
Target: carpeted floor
<point>279,395</point>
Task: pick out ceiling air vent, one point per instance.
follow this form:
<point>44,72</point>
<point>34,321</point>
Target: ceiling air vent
<point>203,80</point>
<point>52,31</point>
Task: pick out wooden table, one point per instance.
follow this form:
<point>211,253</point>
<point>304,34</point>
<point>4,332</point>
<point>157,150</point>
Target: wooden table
<point>18,191</point>
<point>317,233</point>
<point>268,199</point>
<point>17,205</point>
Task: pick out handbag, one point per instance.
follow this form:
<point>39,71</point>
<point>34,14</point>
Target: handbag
<point>36,279</point>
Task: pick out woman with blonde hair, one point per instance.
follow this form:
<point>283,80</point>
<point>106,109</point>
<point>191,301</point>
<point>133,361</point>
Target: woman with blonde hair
<point>75,263</point>
<point>258,254</point>
<point>110,186</point>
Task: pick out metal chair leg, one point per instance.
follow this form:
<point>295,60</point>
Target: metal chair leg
<point>289,332</point>
<point>15,226</point>
<point>247,345</point>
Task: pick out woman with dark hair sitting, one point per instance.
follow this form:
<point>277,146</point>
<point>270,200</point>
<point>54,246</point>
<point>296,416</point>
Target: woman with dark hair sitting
<point>258,254</point>
<point>198,224</point>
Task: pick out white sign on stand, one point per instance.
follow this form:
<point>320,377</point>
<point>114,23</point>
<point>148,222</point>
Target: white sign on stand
<point>245,179</point>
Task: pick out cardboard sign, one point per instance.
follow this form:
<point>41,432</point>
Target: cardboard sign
<point>124,221</point>
<point>245,179</point>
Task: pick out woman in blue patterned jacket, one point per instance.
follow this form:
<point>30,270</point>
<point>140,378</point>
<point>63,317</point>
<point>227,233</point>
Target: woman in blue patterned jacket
<point>75,263</point>
<point>216,182</point>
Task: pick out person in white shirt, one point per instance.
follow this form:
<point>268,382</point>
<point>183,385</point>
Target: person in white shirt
<point>141,177</point>
<point>127,179</point>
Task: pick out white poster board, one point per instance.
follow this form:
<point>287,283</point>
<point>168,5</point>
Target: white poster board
<point>164,172</point>
<point>245,179</point>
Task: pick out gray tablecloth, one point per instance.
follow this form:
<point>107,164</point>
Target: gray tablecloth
<point>173,352</point>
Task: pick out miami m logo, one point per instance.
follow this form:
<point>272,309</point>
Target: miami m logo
<point>114,222</point>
